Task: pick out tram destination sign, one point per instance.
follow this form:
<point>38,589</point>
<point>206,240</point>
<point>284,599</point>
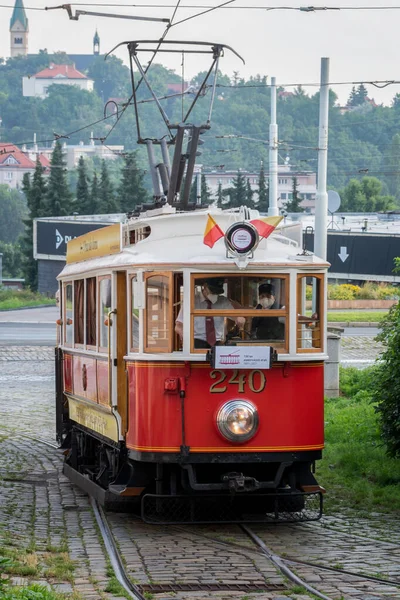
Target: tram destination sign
<point>241,357</point>
<point>51,236</point>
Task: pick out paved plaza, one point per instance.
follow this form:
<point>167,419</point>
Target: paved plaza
<point>50,519</point>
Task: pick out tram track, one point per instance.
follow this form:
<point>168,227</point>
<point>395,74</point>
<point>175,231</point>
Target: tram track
<point>284,565</point>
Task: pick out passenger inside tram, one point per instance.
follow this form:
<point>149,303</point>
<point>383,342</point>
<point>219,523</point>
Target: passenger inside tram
<point>267,328</point>
<point>210,331</point>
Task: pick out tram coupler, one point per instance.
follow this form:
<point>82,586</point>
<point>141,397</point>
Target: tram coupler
<point>237,482</point>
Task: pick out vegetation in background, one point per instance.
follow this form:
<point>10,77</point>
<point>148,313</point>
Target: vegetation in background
<point>293,205</point>
<point>356,316</point>
<point>356,470</point>
<point>10,299</point>
<point>386,389</point>
<point>369,291</point>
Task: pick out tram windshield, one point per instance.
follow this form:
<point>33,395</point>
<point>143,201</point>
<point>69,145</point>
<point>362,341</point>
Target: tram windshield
<point>245,309</point>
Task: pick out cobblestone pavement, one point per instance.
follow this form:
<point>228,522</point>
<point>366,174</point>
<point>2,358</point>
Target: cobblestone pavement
<point>42,514</point>
<point>359,350</point>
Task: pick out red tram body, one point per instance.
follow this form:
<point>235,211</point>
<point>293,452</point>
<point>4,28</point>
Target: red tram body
<point>148,415</point>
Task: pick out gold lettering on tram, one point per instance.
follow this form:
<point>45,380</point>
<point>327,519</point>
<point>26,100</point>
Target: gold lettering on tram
<point>255,380</point>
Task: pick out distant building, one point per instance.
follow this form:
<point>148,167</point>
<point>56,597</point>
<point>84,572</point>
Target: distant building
<point>14,163</point>
<point>19,30</point>
<point>38,85</point>
<point>306,184</point>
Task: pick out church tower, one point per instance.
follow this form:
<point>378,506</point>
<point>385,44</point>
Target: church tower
<point>96,43</point>
<point>19,30</point>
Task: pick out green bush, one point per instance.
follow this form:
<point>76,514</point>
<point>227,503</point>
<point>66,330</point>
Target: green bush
<point>386,387</point>
<point>31,592</point>
<point>10,299</point>
<point>342,292</point>
<point>369,291</point>
<point>354,381</point>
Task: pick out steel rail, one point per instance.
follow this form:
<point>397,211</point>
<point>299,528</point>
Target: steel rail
<point>113,554</point>
<point>278,562</point>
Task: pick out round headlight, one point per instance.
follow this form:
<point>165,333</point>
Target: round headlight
<point>237,420</point>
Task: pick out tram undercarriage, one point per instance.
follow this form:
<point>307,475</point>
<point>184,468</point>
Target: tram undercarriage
<point>207,489</point>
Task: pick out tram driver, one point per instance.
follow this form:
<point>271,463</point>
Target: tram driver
<point>209,331</point>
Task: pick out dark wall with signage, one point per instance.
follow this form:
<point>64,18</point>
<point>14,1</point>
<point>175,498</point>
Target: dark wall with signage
<point>47,275</point>
<point>52,237</point>
<point>360,253</point>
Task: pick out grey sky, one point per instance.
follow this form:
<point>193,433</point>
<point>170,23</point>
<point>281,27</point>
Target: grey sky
<point>362,45</point>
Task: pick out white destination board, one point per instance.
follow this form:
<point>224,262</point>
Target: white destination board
<point>242,357</point>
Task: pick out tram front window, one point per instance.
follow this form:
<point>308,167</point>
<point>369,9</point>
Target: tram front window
<point>245,309</point>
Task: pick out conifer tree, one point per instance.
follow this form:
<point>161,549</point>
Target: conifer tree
<point>35,193</point>
<point>94,195</point>
<point>220,196</point>
<point>205,192</point>
<point>237,193</point>
<point>59,201</point>
<point>249,195</point>
<point>83,200</point>
<point>108,201</point>
<point>263,192</point>
<point>131,191</point>
<point>293,205</point>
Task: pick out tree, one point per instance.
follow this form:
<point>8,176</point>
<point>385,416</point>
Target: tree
<point>394,166</point>
<point>220,196</point>
<point>95,195</point>
<point>263,192</point>
<point>357,96</point>
<point>59,201</point>
<point>83,200</point>
<point>293,205</point>
<point>108,201</point>
<point>12,212</point>
<point>249,195</point>
<point>205,192</point>
<point>131,191</point>
<point>35,193</point>
<point>12,259</point>
<point>385,390</point>
<point>237,193</point>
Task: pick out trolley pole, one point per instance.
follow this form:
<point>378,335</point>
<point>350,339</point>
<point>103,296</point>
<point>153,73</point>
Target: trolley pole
<point>273,155</point>
<point>321,201</point>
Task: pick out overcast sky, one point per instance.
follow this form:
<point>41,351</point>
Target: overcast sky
<point>361,45</point>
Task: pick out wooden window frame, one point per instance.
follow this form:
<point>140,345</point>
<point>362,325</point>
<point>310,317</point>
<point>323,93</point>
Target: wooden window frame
<point>64,314</point>
<point>281,347</point>
<point>131,277</point>
<point>158,349</point>
<point>320,310</point>
<point>91,347</point>
<point>101,349</point>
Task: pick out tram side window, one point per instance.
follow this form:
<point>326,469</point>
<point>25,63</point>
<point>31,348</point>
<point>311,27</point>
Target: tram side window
<point>91,312</point>
<point>135,319</point>
<point>68,320</point>
<point>309,312</point>
<point>158,320</point>
<point>79,307</point>
<point>105,307</point>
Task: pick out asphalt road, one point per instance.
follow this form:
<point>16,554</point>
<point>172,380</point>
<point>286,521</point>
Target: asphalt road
<point>27,334</point>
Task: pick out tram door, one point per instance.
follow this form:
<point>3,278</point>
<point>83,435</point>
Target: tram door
<point>118,347</point>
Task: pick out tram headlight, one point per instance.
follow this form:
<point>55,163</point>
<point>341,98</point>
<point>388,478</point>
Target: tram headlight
<point>237,420</point>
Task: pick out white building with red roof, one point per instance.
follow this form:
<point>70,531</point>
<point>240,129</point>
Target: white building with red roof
<point>14,164</point>
<point>38,85</point>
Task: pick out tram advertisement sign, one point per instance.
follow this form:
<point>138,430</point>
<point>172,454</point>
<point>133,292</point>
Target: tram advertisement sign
<point>241,357</point>
<point>95,244</point>
<point>51,236</point>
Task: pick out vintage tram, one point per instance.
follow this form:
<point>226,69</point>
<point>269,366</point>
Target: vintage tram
<point>190,377</point>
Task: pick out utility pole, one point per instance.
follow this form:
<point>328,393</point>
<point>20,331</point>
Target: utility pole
<point>273,156</point>
<point>321,200</point>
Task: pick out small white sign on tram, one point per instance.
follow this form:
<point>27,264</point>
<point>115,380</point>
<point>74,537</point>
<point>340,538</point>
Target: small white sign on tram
<point>242,357</point>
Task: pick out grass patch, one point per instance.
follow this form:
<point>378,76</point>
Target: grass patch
<point>10,299</point>
<point>355,469</point>
<point>30,592</point>
<point>356,316</point>
<point>59,566</point>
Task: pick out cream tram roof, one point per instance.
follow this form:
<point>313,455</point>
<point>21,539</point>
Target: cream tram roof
<point>176,239</point>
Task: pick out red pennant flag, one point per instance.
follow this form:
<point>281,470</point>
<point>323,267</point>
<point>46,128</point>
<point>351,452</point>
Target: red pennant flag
<point>212,233</point>
<point>266,225</point>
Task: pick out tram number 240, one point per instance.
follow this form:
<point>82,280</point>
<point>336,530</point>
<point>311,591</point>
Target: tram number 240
<point>255,380</point>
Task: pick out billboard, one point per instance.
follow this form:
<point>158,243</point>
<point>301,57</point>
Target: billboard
<point>50,236</point>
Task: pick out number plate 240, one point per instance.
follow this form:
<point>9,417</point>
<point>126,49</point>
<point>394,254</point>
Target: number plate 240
<point>254,380</point>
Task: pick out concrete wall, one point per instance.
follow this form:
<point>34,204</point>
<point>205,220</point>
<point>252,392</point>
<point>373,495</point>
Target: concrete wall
<point>47,273</point>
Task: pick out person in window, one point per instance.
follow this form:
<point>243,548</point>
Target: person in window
<point>209,331</point>
<point>267,328</point>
